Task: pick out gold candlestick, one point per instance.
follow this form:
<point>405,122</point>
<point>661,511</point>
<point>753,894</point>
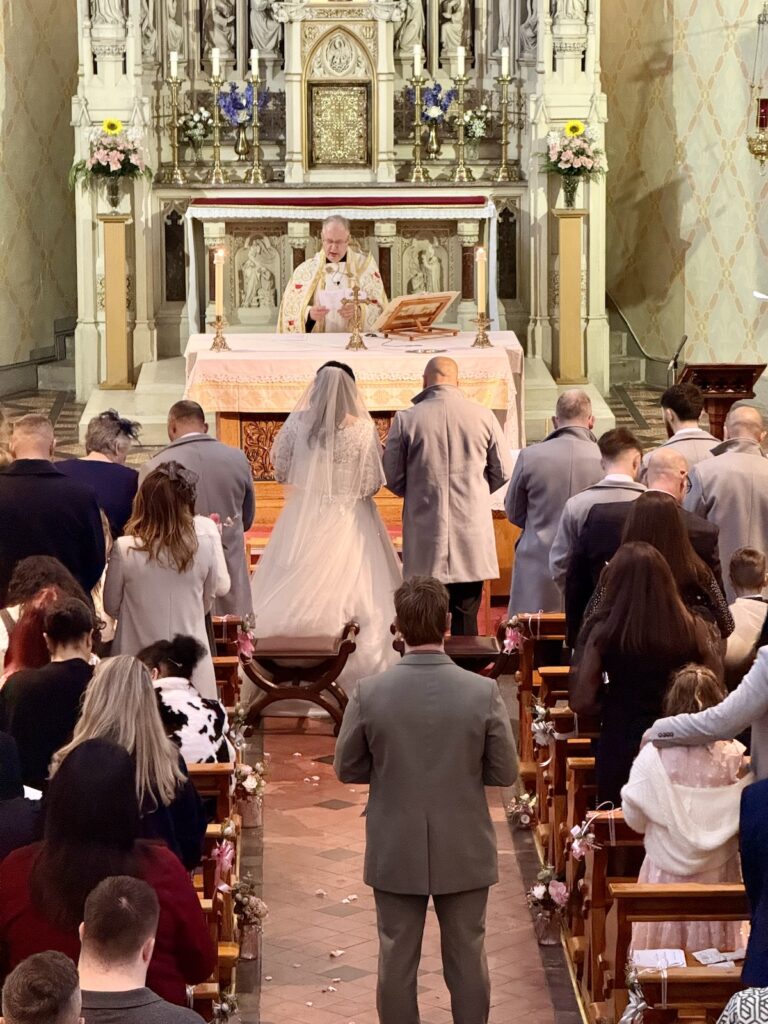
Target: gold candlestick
<point>255,174</point>
<point>419,172</point>
<point>217,175</point>
<point>356,342</point>
<point>481,338</point>
<point>461,172</point>
<point>219,341</point>
<point>505,171</point>
<point>175,175</point>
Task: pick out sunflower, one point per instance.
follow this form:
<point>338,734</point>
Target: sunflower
<point>112,126</point>
<point>574,128</point>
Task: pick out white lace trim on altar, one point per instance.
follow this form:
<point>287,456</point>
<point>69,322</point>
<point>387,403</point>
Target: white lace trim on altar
<point>213,376</point>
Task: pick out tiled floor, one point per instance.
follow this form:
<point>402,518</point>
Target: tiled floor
<point>314,841</point>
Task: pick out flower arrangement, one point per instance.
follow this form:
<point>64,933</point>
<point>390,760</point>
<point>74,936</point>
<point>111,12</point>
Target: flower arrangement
<point>114,152</point>
<point>541,727</point>
<point>225,1008</point>
<point>228,829</point>
<point>547,895</point>
<point>237,724</point>
<point>477,123</point>
<point>522,811</point>
<point>195,126</point>
<point>573,155</point>
<point>434,103</point>
<point>249,909</point>
<point>237,106</point>
<point>582,840</point>
<point>250,780</point>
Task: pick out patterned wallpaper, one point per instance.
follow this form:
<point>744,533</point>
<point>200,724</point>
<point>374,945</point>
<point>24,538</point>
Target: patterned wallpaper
<point>687,209</point>
<point>38,67</point>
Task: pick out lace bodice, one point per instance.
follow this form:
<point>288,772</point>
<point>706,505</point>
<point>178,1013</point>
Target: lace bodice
<point>717,764</point>
<point>356,470</point>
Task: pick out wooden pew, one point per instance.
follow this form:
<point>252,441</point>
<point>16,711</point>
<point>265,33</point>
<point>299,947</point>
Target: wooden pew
<point>215,781</point>
<point>554,684</point>
<point>535,629</point>
<point>225,630</point>
<point>693,987</point>
<point>227,670</point>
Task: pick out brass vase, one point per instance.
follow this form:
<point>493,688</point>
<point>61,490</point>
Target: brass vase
<point>433,142</point>
<point>242,146</point>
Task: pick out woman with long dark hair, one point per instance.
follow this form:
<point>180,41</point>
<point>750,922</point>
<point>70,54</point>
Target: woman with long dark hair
<point>91,833</point>
<point>638,636</point>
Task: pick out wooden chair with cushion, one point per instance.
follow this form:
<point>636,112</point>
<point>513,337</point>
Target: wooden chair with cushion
<point>301,668</point>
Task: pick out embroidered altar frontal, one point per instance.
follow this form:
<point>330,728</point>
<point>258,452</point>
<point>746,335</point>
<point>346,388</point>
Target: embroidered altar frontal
<point>253,387</point>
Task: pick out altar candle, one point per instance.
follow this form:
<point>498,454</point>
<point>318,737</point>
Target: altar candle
<point>481,263</point>
<point>254,63</point>
<point>218,266</point>
<point>418,62</point>
<point>505,60</point>
<point>215,65</point>
<point>762,114</point>
<point>460,51</point>
<point>174,64</point>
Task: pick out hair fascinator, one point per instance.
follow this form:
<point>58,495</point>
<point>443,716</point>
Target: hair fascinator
<point>129,428</point>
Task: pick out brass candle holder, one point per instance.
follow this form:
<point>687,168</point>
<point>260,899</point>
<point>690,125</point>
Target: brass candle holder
<point>217,175</point>
<point>255,174</point>
<point>175,175</point>
<point>219,343</point>
<point>356,343</point>
<point>461,171</point>
<point>506,171</point>
<point>481,338</point>
<point>419,172</point>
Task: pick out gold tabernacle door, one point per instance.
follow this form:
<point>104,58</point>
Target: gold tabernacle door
<point>414,316</point>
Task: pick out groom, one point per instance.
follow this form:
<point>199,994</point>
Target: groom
<point>428,736</point>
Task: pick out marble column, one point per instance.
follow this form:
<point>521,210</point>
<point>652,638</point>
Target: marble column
<point>298,239</point>
<point>385,233</point>
<point>469,237</point>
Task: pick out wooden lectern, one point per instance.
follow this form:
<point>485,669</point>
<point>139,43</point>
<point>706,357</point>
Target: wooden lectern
<point>723,384</point>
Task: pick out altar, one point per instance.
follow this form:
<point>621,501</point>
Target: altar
<point>253,387</point>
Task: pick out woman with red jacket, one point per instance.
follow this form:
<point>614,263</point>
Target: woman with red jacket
<point>91,833</point>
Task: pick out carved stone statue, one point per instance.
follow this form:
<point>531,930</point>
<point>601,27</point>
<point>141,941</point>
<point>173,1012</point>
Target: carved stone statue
<point>411,29</point>
<point>148,30</point>
<point>107,12</point>
<point>265,29</point>
<point>529,29</point>
<point>432,268</point>
<point>258,282</point>
<point>456,29</point>
<point>219,27</point>
<point>175,32</point>
<point>576,10</point>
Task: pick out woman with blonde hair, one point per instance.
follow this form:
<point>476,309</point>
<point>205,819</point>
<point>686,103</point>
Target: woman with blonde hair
<point>162,575</point>
<point>120,705</point>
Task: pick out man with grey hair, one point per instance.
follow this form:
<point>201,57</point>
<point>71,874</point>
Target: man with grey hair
<point>42,512</point>
<point>546,475</point>
<point>731,488</point>
<point>316,298</point>
<point>445,456</point>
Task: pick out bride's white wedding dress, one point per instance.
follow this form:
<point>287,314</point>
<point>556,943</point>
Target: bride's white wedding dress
<point>330,559</point>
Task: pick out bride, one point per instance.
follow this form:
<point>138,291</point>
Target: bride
<point>330,559</point>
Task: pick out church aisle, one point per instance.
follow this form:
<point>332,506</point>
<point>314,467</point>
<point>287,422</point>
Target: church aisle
<point>314,840</point>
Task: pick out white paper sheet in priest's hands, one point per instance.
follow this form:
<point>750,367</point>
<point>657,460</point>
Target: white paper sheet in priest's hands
<point>331,298</point>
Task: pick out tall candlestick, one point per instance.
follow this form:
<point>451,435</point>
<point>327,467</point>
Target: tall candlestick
<point>218,266</point>
<point>460,53</point>
<point>174,64</point>
<point>255,62</point>
<point>255,174</point>
<point>418,172</point>
<point>217,175</point>
<point>481,264</point>
<point>418,63</point>
<point>215,62</point>
<point>461,172</point>
<point>505,60</point>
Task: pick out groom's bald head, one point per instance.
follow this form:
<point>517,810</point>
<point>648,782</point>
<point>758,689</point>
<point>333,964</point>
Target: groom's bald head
<point>441,370</point>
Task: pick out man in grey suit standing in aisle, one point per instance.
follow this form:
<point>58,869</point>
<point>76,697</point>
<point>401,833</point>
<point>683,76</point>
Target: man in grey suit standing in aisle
<point>445,456</point>
<point>427,736</point>
<point>224,487</point>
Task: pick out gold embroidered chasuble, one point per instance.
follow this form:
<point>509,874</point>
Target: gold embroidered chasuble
<point>318,274</point>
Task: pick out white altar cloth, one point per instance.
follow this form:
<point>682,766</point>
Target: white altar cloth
<point>269,373</point>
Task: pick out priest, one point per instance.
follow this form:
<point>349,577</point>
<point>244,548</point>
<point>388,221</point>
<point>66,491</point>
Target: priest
<point>314,298</point>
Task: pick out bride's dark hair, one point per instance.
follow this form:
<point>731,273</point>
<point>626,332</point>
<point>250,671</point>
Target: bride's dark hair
<point>323,393</point>
<point>338,366</point>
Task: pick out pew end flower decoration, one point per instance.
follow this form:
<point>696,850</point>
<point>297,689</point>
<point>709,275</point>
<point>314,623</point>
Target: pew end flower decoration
<point>250,780</point>
<point>573,155</point>
<point>114,151</point>
<point>542,728</point>
<point>248,907</point>
<point>522,811</point>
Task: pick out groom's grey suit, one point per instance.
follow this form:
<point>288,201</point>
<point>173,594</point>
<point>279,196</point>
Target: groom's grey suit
<point>428,736</point>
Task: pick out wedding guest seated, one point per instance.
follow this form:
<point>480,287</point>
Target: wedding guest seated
<point>685,802</point>
<point>29,577</point>
<point>639,635</point>
<point>43,989</point>
<point>39,707</point>
<point>162,576</point>
<point>108,440</point>
<point>747,1007</point>
<point>20,819</point>
<point>198,726</point>
<point>92,829</point>
<point>120,705</point>
<point>749,578</point>
<point>117,939</point>
<point>27,648</point>
<point>753,840</point>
